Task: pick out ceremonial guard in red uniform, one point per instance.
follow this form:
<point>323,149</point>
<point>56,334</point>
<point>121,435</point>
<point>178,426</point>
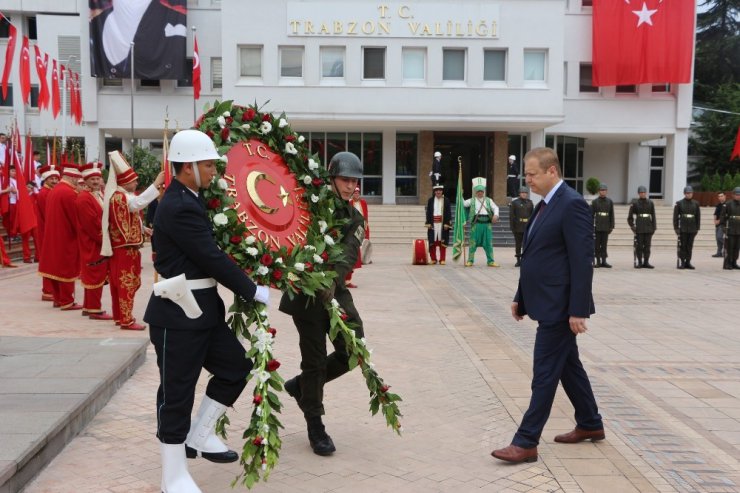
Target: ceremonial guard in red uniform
<point>49,179</point>
<point>123,236</point>
<point>32,234</point>
<point>93,266</point>
<point>60,258</point>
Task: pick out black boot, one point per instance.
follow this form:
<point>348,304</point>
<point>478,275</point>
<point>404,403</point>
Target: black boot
<point>604,264</point>
<point>320,441</point>
<point>688,265</point>
<point>646,264</point>
<point>293,388</point>
<point>518,262</point>
<point>682,264</point>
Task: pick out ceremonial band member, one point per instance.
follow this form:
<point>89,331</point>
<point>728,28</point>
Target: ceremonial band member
<point>188,336</point>
<point>483,212</point>
<point>438,223</point>
<point>123,235</point>
<point>602,209</point>
<point>642,222</point>
<point>686,223</point>
<point>60,258</point>
<point>520,210</point>
<point>93,266</point>
<point>731,223</point>
<point>312,319</point>
<point>49,178</point>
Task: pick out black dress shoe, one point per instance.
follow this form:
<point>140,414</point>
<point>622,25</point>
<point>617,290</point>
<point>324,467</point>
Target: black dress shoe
<point>647,266</point>
<point>218,457</point>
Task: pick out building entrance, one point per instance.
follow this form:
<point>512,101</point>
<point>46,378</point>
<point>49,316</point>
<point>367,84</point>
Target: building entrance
<point>473,151</point>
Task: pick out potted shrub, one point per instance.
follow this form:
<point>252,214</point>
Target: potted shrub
<point>592,187</point>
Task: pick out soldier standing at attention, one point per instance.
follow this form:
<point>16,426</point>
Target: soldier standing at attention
<point>731,223</point>
<point>686,223</point>
<point>311,317</point>
<point>602,209</point>
<point>641,219</point>
<point>520,210</point>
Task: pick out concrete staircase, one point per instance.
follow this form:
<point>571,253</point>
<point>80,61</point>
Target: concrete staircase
<point>401,224</point>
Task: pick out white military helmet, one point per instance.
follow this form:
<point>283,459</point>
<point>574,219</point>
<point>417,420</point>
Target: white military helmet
<point>512,158</point>
<point>437,154</point>
<point>191,146</point>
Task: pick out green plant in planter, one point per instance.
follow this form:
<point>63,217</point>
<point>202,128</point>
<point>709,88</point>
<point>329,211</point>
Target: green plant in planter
<point>715,184</point>
<point>728,182</point>
<point>705,183</point>
<point>592,185</point>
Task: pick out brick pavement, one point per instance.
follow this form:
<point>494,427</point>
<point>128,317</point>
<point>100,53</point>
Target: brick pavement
<point>663,355</point>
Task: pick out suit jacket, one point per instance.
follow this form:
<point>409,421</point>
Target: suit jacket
<point>556,271</point>
<point>184,244</point>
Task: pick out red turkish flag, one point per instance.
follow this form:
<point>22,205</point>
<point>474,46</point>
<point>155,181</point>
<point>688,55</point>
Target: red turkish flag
<point>28,167</point>
<point>736,149</point>
<point>196,69</point>
<point>69,85</point>
<point>41,64</point>
<point>55,99</point>
<point>9,52</point>
<point>25,70</point>
<point>642,41</point>
<point>77,97</point>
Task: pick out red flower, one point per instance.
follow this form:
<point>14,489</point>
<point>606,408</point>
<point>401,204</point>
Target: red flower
<point>248,115</point>
<point>290,138</point>
<point>344,316</point>
<point>317,182</point>
<point>385,388</point>
<point>277,275</point>
<point>325,256</point>
<point>225,133</point>
<point>266,260</point>
<point>309,267</point>
<point>229,120</point>
<point>214,203</point>
<point>273,331</point>
<point>273,365</point>
<point>257,440</point>
<point>209,134</point>
<point>236,239</point>
<point>266,117</point>
<point>232,258</point>
<point>257,399</point>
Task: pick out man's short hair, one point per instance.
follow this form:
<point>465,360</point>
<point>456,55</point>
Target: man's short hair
<point>177,167</point>
<point>546,157</point>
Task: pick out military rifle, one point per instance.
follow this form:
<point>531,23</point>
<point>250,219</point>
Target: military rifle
<point>634,250</point>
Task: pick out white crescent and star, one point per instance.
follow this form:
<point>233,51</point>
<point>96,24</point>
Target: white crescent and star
<point>644,15</point>
<point>196,60</point>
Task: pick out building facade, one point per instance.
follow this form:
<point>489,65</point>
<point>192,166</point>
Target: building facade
<point>394,82</point>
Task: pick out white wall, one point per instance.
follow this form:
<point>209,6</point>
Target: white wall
<point>608,163</point>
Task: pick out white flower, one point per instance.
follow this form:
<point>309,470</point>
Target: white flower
<point>331,211</point>
<point>220,219</point>
<point>262,270</point>
<point>223,184</point>
<point>290,148</point>
<point>226,114</point>
<point>252,251</point>
<point>225,158</point>
<point>307,180</point>
<point>334,303</point>
<point>279,260</point>
<point>301,138</point>
<point>265,429</point>
<point>265,128</point>
<point>363,341</point>
<point>264,466</point>
<point>221,121</point>
<point>312,164</point>
<point>244,126</point>
<point>328,240</point>
<point>262,376</point>
<point>322,226</point>
<point>258,411</point>
<point>250,240</point>
<point>283,123</point>
<point>317,259</point>
<point>293,277</point>
<point>310,248</point>
<point>299,266</point>
<point>314,198</point>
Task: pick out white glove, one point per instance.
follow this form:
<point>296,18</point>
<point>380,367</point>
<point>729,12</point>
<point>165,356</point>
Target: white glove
<point>430,173</point>
<point>262,295</point>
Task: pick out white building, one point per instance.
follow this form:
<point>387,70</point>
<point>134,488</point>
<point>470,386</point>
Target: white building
<point>393,81</point>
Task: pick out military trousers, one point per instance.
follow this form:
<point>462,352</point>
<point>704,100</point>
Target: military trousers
<point>733,249</point>
<point>686,246</point>
<point>600,240</point>
<point>642,246</point>
<point>719,235</point>
<point>518,242</point>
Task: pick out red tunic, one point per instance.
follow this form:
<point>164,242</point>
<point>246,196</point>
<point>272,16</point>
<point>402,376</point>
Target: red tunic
<point>90,239</point>
<point>124,225</point>
<point>60,258</point>
<point>41,199</point>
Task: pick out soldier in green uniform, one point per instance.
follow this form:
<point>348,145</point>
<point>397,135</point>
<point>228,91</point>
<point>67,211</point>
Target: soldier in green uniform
<point>520,210</point>
<point>731,223</point>
<point>641,219</point>
<point>310,315</point>
<point>602,209</point>
<point>686,223</point>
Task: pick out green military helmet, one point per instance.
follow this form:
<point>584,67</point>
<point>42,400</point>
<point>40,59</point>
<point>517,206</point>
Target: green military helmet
<point>523,189</point>
<point>736,191</point>
<point>345,164</point>
<point>642,189</point>
<point>688,189</point>
<point>602,186</point>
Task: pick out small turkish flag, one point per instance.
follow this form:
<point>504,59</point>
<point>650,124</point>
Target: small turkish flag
<point>9,52</point>
<point>736,149</point>
<point>55,98</point>
<point>196,69</point>
<point>642,41</point>
<point>25,70</point>
<point>41,64</point>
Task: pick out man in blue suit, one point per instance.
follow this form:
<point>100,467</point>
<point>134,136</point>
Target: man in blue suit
<point>555,290</point>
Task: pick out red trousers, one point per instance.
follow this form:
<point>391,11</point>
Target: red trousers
<point>125,280</point>
<point>3,254</point>
<point>46,287</point>
<point>25,237</point>
<point>93,279</point>
<point>63,292</point>
<point>433,251</point>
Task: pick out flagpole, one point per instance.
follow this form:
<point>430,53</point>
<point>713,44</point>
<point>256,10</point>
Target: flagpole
<point>459,173</point>
<point>132,105</point>
<point>64,104</point>
<point>194,114</point>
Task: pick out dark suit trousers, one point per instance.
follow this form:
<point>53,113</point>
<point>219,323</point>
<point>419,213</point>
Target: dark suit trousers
<point>556,359</point>
<point>180,356</point>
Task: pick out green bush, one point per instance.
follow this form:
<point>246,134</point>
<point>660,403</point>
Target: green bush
<point>727,182</point>
<point>737,180</point>
<point>706,183</point>
<point>146,165</point>
<point>592,185</point>
<point>715,184</point>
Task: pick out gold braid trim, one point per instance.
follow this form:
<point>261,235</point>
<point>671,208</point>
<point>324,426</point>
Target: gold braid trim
<point>93,286</point>
<point>57,278</point>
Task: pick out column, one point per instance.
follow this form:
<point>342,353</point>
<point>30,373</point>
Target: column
<point>389,166</point>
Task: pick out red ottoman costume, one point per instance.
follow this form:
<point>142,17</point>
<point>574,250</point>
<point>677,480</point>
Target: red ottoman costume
<point>41,199</point>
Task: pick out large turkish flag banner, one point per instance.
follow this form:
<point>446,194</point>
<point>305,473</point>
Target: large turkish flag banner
<point>642,41</point>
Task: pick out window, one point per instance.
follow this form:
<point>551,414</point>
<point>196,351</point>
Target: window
<point>250,61</point>
<point>187,81</point>
<point>216,73</point>
<point>373,62</point>
<point>586,79</point>
<point>494,65</point>
<point>4,27</point>
<point>627,89</point>
<point>332,62</point>
<point>661,88</point>
<point>570,154</point>
<point>149,83</point>
<point>406,164</point>
<point>34,99</point>
<point>414,61</point>
<point>657,165</point>
<point>112,82</point>
<point>9,100</point>
<point>32,28</point>
<point>534,65</point>
<point>587,3</point>
<point>367,145</point>
<point>291,61</point>
<point>372,160</point>
<point>453,64</point>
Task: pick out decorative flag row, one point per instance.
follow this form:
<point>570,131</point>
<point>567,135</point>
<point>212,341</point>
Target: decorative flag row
<point>49,97</point>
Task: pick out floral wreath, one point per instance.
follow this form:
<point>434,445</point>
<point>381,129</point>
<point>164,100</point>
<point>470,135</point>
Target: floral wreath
<point>295,270</point>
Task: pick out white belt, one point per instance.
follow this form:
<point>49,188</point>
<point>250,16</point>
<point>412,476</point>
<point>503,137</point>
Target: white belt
<point>205,283</point>
<point>180,291</point>
<point>511,176</point>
